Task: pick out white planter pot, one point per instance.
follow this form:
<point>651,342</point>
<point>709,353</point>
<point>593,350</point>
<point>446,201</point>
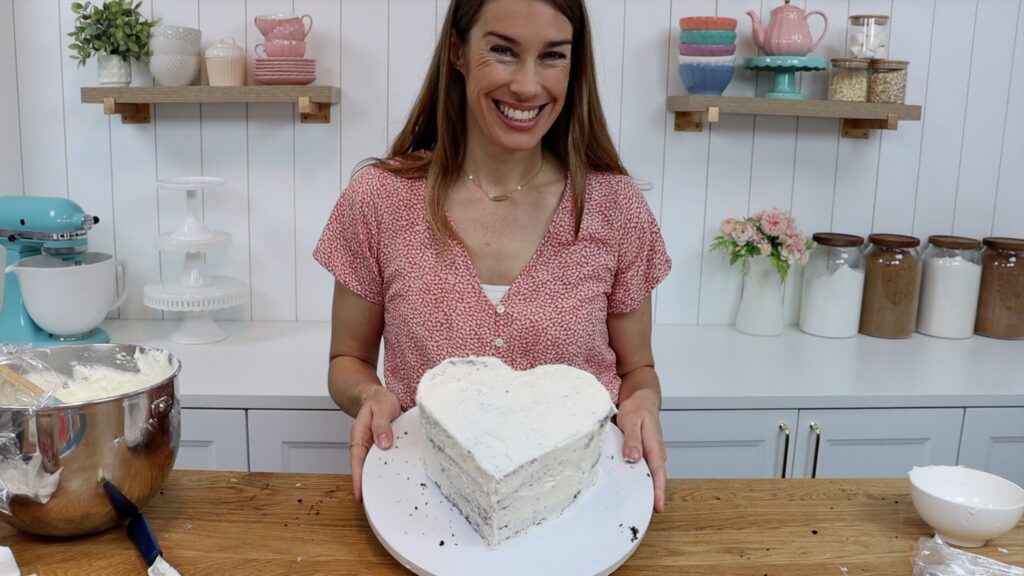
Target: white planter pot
<point>760,312</point>
<point>113,71</point>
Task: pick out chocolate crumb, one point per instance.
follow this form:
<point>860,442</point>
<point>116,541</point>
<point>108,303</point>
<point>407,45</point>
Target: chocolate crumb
<point>422,485</point>
<point>300,500</point>
<point>635,532</point>
<point>442,543</point>
<point>415,507</point>
<point>814,531</point>
<point>648,474</point>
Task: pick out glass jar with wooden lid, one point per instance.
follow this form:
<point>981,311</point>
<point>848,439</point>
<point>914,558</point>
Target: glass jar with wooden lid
<point>833,286</point>
<point>867,36</point>
<point>848,80</point>
<point>1001,300</point>
<point>950,278</point>
<point>892,283</point>
<point>888,81</point>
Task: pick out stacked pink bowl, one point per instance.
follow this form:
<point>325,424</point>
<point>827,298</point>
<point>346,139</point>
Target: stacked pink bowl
<point>281,57</point>
<point>707,48</point>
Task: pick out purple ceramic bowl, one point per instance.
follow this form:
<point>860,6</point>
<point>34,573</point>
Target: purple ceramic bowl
<point>706,79</point>
<point>707,49</point>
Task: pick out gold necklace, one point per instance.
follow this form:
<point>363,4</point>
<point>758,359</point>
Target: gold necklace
<point>507,195</point>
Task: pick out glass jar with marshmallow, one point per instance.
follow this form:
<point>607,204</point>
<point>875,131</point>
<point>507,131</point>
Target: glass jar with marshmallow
<point>868,36</point>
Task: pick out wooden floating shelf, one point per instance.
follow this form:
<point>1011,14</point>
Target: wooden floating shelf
<point>859,118</point>
<point>133,102</point>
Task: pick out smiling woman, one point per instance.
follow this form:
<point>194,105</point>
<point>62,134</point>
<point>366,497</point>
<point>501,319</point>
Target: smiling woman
<point>502,223</point>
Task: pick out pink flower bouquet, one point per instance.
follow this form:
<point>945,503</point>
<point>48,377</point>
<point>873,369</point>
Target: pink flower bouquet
<point>773,235</point>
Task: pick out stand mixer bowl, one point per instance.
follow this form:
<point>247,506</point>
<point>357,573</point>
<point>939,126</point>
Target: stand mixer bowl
<point>130,439</point>
<point>70,299</point>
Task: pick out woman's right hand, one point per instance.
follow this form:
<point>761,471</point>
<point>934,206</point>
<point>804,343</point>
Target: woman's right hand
<point>372,426</point>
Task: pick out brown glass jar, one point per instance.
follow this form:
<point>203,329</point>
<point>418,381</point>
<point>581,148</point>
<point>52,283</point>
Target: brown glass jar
<point>1001,300</point>
<point>892,284</point>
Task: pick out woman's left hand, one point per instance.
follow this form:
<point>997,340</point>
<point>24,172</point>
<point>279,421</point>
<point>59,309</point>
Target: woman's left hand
<point>639,421</point>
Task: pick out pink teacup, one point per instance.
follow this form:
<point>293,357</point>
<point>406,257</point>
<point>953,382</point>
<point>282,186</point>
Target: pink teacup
<point>293,27</point>
<point>282,49</point>
<point>290,30</point>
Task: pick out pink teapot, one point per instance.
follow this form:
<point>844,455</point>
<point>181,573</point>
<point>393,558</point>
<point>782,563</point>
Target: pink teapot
<point>787,32</point>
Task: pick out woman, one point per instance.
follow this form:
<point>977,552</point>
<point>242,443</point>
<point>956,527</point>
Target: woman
<point>502,224</point>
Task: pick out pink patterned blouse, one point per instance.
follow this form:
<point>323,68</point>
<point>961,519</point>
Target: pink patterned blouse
<point>379,244</point>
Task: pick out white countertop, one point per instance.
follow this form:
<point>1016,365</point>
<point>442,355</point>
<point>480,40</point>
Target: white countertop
<point>283,365</point>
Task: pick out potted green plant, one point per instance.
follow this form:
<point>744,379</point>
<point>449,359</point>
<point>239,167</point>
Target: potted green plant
<point>116,33</point>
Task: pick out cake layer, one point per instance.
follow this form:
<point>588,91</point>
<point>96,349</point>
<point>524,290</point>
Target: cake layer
<point>511,449</point>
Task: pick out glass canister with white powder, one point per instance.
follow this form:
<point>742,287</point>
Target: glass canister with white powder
<point>950,279</point>
<point>833,286</point>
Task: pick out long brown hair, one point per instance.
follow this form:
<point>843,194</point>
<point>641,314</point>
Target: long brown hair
<point>437,123</point>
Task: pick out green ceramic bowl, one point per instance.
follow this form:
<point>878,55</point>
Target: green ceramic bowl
<point>707,37</point>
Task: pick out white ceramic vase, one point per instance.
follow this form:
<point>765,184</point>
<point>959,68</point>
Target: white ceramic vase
<point>760,312</point>
<point>113,71</point>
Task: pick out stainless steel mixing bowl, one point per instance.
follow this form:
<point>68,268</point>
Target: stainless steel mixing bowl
<point>131,439</point>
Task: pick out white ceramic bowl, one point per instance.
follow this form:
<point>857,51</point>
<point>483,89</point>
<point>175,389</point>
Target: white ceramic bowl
<point>174,70</point>
<point>707,59</point>
<point>67,299</point>
<point>966,507</point>
<point>181,34</point>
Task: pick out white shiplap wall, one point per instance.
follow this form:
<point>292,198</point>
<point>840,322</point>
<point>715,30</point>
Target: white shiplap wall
<point>960,170</point>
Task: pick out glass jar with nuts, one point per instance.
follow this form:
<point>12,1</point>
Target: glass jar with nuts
<point>849,80</point>
<point>888,83</point>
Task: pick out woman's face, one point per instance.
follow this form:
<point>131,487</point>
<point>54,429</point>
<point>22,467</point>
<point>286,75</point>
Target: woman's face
<point>516,64</point>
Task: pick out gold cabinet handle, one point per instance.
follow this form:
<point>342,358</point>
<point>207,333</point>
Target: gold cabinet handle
<point>817,446</point>
<point>785,447</point>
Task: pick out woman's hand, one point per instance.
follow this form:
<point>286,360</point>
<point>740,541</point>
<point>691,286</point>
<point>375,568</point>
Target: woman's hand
<point>372,426</point>
<point>639,421</point>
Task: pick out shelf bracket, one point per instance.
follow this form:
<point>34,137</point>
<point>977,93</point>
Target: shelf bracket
<point>861,127</point>
<point>313,112</point>
<point>130,113</point>
<point>694,121</point>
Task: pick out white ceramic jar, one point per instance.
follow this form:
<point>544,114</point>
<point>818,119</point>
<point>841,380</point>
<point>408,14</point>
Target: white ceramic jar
<point>225,63</point>
<point>950,281</point>
<point>833,286</point>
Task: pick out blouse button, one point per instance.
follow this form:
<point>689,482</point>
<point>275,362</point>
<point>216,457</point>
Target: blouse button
<point>500,309</point>
<point>499,342</point>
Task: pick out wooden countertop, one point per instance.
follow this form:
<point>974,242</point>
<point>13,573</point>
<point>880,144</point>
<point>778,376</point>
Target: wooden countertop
<point>227,523</point>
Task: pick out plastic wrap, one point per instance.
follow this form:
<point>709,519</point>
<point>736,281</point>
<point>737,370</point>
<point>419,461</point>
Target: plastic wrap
<point>22,475</point>
<point>936,558</point>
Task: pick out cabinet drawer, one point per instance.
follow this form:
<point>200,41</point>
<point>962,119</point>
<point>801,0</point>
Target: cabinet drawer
<point>299,441</point>
<point>875,443</point>
<point>213,440</point>
<point>728,443</point>
<point>993,441</point>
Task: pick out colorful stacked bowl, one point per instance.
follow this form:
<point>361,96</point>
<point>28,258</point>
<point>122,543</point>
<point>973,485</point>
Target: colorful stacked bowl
<point>707,48</point>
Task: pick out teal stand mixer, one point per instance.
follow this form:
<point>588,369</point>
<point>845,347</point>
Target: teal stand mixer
<point>33,225</point>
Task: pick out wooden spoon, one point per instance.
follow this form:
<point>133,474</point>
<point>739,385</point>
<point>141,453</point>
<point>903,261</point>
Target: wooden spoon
<point>26,385</point>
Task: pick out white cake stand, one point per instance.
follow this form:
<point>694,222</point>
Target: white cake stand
<point>197,293</point>
<point>421,529</point>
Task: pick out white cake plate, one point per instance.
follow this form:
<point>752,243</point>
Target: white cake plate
<point>427,535</point>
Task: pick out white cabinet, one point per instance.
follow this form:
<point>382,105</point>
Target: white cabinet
<point>993,441</point>
<point>728,443</point>
<point>299,441</point>
<point>874,443</point>
<point>213,440</point>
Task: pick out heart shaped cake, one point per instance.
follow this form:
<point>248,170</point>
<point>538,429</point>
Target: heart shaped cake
<point>511,449</point>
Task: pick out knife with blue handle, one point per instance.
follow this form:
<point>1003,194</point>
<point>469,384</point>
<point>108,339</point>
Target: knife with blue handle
<point>138,530</point>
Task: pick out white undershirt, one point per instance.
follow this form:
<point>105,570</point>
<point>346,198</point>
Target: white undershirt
<point>494,292</point>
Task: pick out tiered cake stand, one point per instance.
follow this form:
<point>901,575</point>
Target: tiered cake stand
<point>197,293</point>
<point>785,69</point>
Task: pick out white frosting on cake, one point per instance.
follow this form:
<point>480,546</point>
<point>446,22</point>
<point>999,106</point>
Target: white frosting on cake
<point>510,448</point>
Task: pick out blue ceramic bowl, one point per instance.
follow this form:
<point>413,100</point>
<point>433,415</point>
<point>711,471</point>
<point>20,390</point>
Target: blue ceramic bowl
<point>706,79</point>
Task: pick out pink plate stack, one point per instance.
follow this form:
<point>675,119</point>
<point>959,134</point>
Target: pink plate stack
<point>285,70</point>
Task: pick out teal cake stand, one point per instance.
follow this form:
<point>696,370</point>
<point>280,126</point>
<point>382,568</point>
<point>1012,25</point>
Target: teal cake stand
<point>785,69</point>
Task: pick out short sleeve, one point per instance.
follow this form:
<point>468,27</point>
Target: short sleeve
<point>349,247</point>
<point>642,262</point>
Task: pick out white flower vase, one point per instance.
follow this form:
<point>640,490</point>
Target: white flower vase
<point>760,312</point>
<point>113,71</point>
